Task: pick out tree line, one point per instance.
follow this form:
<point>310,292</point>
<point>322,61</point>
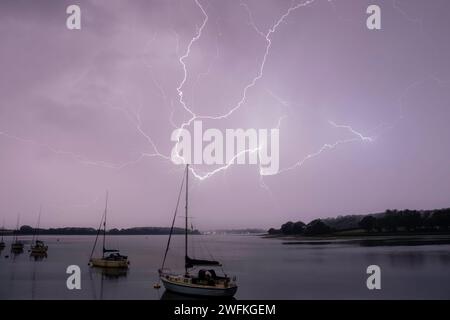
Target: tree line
<point>437,220</point>
<point>28,230</point>
<point>408,220</point>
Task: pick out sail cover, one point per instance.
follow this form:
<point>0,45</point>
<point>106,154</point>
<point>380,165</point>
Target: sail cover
<point>110,250</point>
<point>197,262</point>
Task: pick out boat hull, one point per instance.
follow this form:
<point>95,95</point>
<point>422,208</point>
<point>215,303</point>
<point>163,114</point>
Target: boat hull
<point>194,290</point>
<point>39,249</point>
<point>36,252</point>
<point>102,263</point>
<point>17,247</point>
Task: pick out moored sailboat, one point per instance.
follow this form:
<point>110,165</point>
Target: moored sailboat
<point>111,258</point>
<point>17,245</point>
<point>38,247</point>
<point>204,282</point>
<point>2,243</point>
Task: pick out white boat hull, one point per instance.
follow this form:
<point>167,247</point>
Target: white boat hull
<point>197,290</point>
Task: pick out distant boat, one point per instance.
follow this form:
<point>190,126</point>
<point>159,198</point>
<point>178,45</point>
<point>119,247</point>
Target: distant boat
<point>205,282</point>
<point>38,248</point>
<point>111,258</point>
<point>17,245</point>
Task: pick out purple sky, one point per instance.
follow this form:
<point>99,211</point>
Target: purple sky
<point>69,101</point>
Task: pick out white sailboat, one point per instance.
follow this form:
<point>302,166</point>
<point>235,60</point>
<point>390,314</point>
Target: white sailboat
<point>204,282</point>
<point>111,258</point>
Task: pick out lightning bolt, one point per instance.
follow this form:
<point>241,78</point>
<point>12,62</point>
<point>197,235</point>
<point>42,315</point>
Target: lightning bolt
<point>418,21</point>
<point>79,157</point>
<point>194,116</point>
<point>186,55</point>
<point>268,40</point>
<point>329,146</point>
<point>135,117</point>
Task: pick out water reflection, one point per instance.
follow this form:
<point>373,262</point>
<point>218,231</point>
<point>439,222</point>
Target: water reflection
<point>114,273</point>
<point>38,256</point>
<point>425,241</point>
<point>169,295</point>
<point>106,275</point>
<point>410,259</point>
<point>407,259</point>
<point>444,257</point>
<point>16,251</point>
<point>110,273</point>
<point>33,282</point>
<point>308,271</point>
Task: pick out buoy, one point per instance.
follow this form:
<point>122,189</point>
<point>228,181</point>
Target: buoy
<point>156,286</point>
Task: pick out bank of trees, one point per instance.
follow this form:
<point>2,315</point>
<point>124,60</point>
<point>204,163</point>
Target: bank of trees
<point>408,220</point>
<point>389,221</point>
<point>28,230</point>
<point>315,227</point>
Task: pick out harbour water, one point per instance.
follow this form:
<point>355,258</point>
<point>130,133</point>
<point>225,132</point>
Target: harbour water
<point>265,269</point>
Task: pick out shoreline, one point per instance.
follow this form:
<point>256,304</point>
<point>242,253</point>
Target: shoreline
<point>391,239</point>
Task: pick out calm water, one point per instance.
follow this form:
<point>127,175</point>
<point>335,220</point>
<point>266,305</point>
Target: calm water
<point>265,269</point>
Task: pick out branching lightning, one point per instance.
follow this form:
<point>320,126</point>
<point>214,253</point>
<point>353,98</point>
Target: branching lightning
<point>358,137</point>
<point>135,117</point>
<point>267,37</point>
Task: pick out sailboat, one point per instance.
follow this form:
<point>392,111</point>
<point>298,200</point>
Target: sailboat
<point>17,245</point>
<point>205,282</point>
<point>2,243</point>
<point>111,258</point>
<point>38,248</point>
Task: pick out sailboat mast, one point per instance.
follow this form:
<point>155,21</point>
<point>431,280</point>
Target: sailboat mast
<point>39,222</point>
<point>104,225</point>
<point>36,231</point>
<point>186,219</point>
<point>16,236</point>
